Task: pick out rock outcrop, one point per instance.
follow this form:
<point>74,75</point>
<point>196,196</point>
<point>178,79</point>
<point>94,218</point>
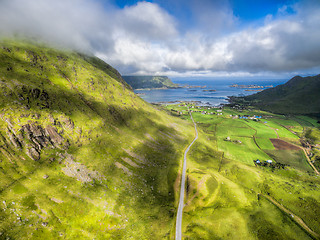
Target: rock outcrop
<point>33,138</point>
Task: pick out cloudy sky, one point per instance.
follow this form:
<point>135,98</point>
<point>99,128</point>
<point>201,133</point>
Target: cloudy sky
<point>216,38</point>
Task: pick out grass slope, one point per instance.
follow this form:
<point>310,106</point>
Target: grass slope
<point>225,191</point>
<point>81,156</point>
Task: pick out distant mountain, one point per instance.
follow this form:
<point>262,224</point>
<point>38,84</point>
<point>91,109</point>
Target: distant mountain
<point>300,95</point>
<point>137,82</point>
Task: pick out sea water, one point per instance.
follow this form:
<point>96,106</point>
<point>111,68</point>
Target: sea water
<point>223,90</point>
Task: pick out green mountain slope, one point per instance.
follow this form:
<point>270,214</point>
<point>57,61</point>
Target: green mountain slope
<point>300,95</point>
<point>137,82</point>
<point>81,156</point>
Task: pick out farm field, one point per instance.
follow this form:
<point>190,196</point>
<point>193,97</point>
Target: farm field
<point>225,189</point>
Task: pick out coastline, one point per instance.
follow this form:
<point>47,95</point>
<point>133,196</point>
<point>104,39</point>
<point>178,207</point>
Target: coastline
<point>186,86</point>
<point>206,93</point>
<point>149,89</point>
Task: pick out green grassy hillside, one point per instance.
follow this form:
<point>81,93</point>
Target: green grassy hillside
<point>81,156</point>
<point>300,95</point>
<point>138,82</point>
<point>229,197</point>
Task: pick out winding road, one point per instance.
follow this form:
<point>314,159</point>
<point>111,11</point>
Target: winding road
<point>183,179</point>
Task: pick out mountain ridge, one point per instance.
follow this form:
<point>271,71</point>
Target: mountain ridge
<point>300,95</point>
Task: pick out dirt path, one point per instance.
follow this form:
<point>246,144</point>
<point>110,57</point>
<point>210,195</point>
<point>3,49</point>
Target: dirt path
<point>297,219</point>
<point>308,159</point>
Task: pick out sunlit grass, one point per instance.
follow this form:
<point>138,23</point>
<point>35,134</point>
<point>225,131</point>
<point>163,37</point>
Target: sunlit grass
<point>227,205</point>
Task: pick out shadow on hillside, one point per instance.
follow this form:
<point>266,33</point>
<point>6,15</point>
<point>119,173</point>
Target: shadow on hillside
<point>150,195</point>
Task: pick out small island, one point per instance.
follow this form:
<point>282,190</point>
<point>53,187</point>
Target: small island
<point>209,90</point>
<point>193,86</point>
<point>250,86</point>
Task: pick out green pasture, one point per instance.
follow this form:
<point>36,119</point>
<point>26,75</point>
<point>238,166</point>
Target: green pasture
<point>291,124</point>
<point>251,112</point>
<point>263,131</point>
<point>305,121</point>
<point>246,151</point>
<point>308,121</point>
<point>230,111</point>
<point>198,117</point>
<point>264,143</point>
<point>286,122</point>
<point>238,179</point>
<point>236,123</point>
<point>282,131</point>
<point>234,127</point>
<point>295,159</point>
<point>226,205</point>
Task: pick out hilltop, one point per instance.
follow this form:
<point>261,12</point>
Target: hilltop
<point>300,95</point>
<point>139,82</point>
<point>81,156</point>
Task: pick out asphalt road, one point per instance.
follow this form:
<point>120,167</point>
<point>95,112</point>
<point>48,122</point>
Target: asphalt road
<point>183,180</point>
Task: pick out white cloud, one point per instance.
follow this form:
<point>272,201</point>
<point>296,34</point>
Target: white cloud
<point>146,20</point>
<point>282,44</point>
<point>144,38</point>
<point>72,23</point>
